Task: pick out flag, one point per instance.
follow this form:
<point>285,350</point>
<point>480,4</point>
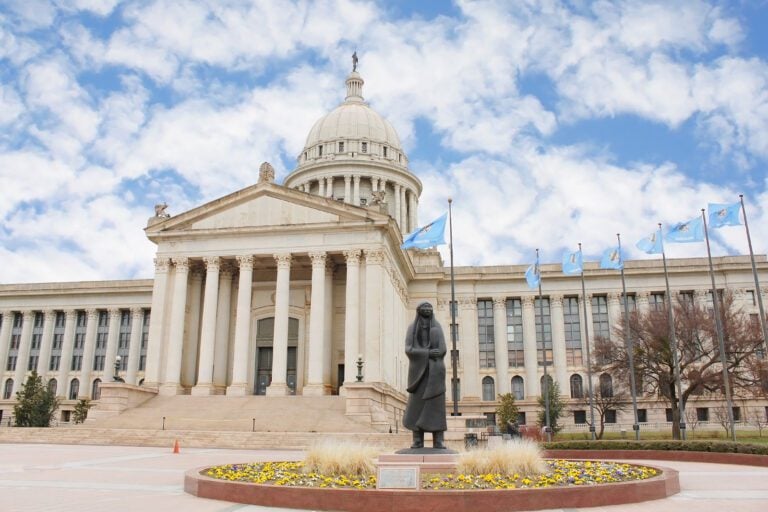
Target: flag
<point>724,214</point>
<point>428,236</point>
<point>612,259</point>
<point>686,232</point>
<point>572,263</point>
<point>651,244</point>
<point>533,275</point>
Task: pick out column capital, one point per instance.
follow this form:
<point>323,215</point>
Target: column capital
<point>528,301</point>
<point>70,314</point>
<point>643,297</point>
<point>318,259</point>
<point>699,294</point>
<point>137,311</point>
<point>196,273</point>
<point>352,256</point>
<point>245,261</point>
<point>347,178</point>
<point>49,315</point>
<point>28,314</point>
<point>356,177</point>
<point>283,260</point>
<point>374,256</point>
<point>181,263</point>
<point>114,312</point>
<point>92,313</point>
<point>162,263</point>
<point>556,299</point>
<point>467,303</point>
<point>614,298</point>
<point>589,297</point>
<point>500,302</point>
<point>211,263</point>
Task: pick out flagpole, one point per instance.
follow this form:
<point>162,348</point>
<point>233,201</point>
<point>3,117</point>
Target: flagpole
<point>630,348</point>
<point>719,327</point>
<point>673,342</point>
<point>545,388</point>
<point>589,357</point>
<point>757,282</point>
<point>454,351</point>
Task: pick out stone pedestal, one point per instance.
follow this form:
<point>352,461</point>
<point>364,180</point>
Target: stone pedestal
<point>117,397</point>
<point>444,462</point>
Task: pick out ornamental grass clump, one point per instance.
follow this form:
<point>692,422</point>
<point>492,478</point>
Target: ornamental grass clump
<point>518,456</point>
<point>340,458</point>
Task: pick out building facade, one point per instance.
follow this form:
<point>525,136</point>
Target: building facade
<point>302,288</point>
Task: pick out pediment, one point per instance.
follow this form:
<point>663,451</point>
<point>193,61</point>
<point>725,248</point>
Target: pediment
<point>263,206</point>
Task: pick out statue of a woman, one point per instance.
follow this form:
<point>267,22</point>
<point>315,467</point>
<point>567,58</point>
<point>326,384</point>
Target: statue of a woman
<point>425,348</point>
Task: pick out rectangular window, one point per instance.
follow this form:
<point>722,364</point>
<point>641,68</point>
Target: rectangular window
<point>124,338</point>
<point>341,147</point>
<point>600,325</point>
<point>79,342</point>
<point>737,414</point>
<point>572,331</point>
<point>521,418</point>
<point>32,364</point>
<point>364,148</point>
<point>610,416</point>
<point>642,415</point>
<point>485,333</point>
<point>102,334</point>
<point>384,151</point>
<point>580,417</point>
<point>656,301</point>
<point>54,363</point>
<point>631,302</point>
<point>543,331</point>
<point>13,349</point>
<point>686,299</point>
<point>11,364</point>
<point>320,150</point>
<point>668,413</point>
<point>515,350</point>
<point>37,339</point>
<point>144,341</point>
<point>702,413</point>
<point>751,297</point>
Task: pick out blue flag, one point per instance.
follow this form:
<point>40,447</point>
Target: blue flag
<point>572,263</point>
<point>533,275</point>
<point>686,232</point>
<point>612,259</point>
<point>724,214</point>
<point>651,244</point>
<point>428,236</point>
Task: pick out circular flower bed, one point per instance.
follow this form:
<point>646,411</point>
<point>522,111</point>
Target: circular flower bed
<point>561,473</point>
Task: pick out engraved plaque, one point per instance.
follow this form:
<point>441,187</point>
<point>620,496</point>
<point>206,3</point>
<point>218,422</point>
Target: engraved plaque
<point>402,477</point>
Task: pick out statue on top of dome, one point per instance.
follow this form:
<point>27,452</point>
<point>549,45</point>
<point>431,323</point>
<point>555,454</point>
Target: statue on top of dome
<point>354,61</point>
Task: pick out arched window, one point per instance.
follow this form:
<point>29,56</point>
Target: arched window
<point>52,386</point>
<point>489,390</point>
<point>577,388</point>
<point>8,389</point>
<point>518,389</point>
<point>96,389</point>
<point>549,381</point>
<point>606,385</point>
<point>74,389</point>
<point>141,382</point>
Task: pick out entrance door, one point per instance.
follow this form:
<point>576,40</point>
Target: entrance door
<point>290,375</point>
<point>263,370</point>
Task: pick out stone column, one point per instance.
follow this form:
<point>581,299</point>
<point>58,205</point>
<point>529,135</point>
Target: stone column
<point>88,350</point>
<point>470,353</point>
<point>642,302</point>
<point>223,320</point>
<point>66,352</point>
<point>329,187</point>
<point>5,337</point>
<point>156,324</point>
<point>327,332</point>
<point>316,345</point>
<point>374,259</point>
<point>396,213</point>
<point>22,360</point>
<point>192,339</point>
<point>112,337</point>
<point>204,384</point>
<point>321,184</point>
<point>558,341</point>
<point>503,384</point>
<point>242,358</point>
<point>530,352</point>
<point>352,316</point>
<point>615,311</point>
<point>170,385</point>
<point>374,184</point>
<point>347,188</point>
<point>356,189</point>
<point>43,360</point>
<point>279,386</point>
<point>412,207</point>
<point>134,348</point>
<point>403,211</point>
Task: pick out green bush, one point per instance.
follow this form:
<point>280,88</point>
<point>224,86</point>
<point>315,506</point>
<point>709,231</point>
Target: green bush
<point>688,446</point>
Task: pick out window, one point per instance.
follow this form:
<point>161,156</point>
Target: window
<point>606,385</point>
<point>74,389</point>
<point>144,340</point>
<point>79,343</point>
<point>364,148</point>
<point>685,299</point>
<point>518,388</point>
<point>124,338</point>
<point>702,413</point>
<point>737,414</point>
<point>610,416</point>
<point>57,342</point>
<point>13,349</point>
<point>8,389</point>
<point>580,417</point>
<point>751,297</point>
<point>102,334</point>
<point>656,301</point>
<point>668,413</point>
<point>489,390</point>
<point>631,302</point>
<point>485,333</point>
<point>515,349</point>
<point>341,147</point>
<point>572,331</point>
<point>96,389</point>
<point>642,416</point>
<point>52,386</point>
<point>521,418</point>
<point>600,317</point>
<point>320,150</point>
<point>577,386</point>
<point>543,327</point>
<point>37,338</point>
<point>384,151</point>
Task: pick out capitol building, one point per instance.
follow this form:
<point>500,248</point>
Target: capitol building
<point>301,288</point>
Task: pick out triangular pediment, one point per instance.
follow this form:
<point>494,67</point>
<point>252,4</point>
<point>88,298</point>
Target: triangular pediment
<point>264,206</point>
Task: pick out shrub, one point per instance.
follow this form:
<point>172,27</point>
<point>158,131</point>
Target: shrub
<point>340,458</point>
<point>688,446</point>
<point>518,456</point>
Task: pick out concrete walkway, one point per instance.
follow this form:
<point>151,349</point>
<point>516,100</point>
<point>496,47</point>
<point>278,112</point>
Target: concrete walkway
<point>37,478</point>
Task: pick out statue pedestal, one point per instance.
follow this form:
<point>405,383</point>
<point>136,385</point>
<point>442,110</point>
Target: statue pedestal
<point>429,461</point>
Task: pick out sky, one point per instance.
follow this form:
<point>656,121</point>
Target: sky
<point>549,123</point>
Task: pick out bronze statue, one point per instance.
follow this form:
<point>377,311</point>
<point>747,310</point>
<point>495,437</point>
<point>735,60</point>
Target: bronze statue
<point>354,61</point>
<point>425,348</point>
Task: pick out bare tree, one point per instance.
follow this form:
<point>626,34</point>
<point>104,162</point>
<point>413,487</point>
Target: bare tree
<point>698,351</point>
<point>721,416</point>
<point>692,420</point>
<point>603,403</point>
<point>760,418</point>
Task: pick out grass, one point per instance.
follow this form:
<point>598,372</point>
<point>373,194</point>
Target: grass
<point>340,458</point>
<point>519,456</point>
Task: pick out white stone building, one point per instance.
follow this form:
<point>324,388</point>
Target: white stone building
<point>280,290</point>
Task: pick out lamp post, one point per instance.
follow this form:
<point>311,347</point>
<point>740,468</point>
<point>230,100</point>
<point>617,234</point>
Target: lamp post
<point>359,368</point>
<point>117,377</point>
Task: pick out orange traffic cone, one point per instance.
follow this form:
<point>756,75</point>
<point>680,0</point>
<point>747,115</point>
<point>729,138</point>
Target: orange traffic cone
<point>176,446</point>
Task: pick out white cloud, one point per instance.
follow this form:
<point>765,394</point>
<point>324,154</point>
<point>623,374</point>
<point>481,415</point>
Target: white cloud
<point>10,105</point>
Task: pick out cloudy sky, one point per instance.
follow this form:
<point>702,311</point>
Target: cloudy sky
<point>549,123</point>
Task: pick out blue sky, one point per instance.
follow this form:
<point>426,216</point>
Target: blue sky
<point>549,123</point>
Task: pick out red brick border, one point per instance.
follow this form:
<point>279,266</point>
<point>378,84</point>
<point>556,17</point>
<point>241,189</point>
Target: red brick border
<point>743,459</point>
<point>379,500</point>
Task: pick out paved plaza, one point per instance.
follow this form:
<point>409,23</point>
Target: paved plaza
<point>45,478</point>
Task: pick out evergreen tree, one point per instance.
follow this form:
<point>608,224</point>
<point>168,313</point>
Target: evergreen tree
<point>81,411</point>
<point>36,404</point>
<point>506,411</point>
<point>556,407</point>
